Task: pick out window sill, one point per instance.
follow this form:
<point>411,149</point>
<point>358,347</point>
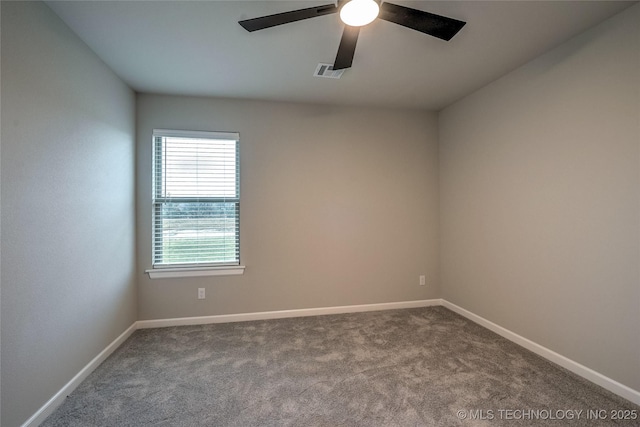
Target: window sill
<point>170,273</point>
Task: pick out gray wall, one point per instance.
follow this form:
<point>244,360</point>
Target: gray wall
<point>338,206</point>
<point>539,172</point>
<point>539,204</point>
<point>68,258</point>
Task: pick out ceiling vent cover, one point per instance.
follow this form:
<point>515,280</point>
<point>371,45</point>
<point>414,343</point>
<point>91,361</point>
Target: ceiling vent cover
<point>327,71</point>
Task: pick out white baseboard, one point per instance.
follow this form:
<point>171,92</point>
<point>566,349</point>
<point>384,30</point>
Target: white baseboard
<point>281,314</point>
<point>57,399</point>
<point>575,367</point>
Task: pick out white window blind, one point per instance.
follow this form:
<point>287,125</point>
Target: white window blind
<point>196,199</point>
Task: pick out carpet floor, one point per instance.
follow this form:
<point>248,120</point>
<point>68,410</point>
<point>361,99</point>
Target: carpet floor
<point>414,367</point>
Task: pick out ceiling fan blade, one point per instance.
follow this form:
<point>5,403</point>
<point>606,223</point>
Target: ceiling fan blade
<point>347,48</point>
<point>287,17</point>
<point>434,25</point>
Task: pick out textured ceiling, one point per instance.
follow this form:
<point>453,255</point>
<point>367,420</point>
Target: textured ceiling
<point>198,48</point>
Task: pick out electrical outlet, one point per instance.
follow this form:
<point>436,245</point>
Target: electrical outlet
<point>423,280</point>
<point>200,293</point>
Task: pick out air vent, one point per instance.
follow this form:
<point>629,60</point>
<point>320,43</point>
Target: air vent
<point>327,71</point>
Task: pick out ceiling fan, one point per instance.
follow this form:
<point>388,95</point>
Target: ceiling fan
<point>357,13</point>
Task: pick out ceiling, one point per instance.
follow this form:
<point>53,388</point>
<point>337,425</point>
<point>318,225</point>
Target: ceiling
<point>198,48</point>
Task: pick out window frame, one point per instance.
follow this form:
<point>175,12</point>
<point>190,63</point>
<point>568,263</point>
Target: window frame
<point>173,270</point>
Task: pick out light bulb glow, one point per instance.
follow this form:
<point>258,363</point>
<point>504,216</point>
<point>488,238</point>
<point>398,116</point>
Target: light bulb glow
<point>359,12</point>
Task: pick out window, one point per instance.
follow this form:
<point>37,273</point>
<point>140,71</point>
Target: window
<point>196,201</point>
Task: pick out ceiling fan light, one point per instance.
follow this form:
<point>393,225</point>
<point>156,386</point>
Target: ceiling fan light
<point>359,12</point>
